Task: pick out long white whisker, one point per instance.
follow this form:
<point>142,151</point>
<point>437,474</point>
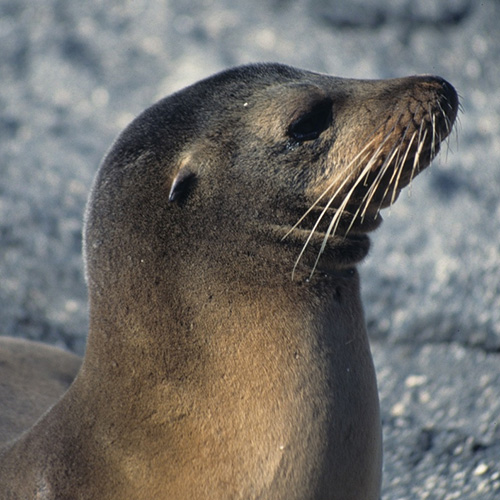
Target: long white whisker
<point>330,201</point>
<point>395,150</point>
<point>398,163</point>
<point>378,179</point>
<point>416,159</point>
<point>363,175</point>
<point>328,188</point>
<point>448,126</point>
<point>400,169</point>
<point>434,134</point>
<point>316,224</point>
<point>323,212</point>
<point>333,226</point>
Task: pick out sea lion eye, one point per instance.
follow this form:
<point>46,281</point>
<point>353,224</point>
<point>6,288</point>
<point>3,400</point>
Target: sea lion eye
<point>310,125</point>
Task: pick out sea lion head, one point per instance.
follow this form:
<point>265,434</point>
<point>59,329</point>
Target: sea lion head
<point>257,171</point>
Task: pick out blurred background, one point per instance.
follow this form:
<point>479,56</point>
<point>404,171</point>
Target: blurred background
<point>74,73</point>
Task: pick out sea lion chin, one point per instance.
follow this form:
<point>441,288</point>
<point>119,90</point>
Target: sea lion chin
<point>227,355</point>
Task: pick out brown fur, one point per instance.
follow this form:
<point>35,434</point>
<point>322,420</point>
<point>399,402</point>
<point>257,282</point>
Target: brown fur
<point>33,377</point>
<point>210,371</point>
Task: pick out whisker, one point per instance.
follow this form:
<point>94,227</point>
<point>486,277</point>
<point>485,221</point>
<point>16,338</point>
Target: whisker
<point>398,164</point>
<point>315,203</point>
<point>448,126</point>
<point>367,199</point>
<point>334,223</point>
<point>433,141</point>
<point>358,158</point>
<point>316,224</point>
<point>383,169</point>
<point>364,175</point>
<point>400,169</point>
<point>447,120</point>
<point>328,188</point>
<point>416,159</point>
<point>395,151</point>
<point>323,212</point>
<point>318,220</point>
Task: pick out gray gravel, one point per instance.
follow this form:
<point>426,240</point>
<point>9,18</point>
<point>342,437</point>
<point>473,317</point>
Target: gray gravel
<point>73,73</point>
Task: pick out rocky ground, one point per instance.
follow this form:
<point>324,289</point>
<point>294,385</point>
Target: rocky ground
<point>73,73</point>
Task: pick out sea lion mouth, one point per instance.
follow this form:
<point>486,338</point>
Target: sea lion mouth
<point>338,252</point>
<point>319,219</point>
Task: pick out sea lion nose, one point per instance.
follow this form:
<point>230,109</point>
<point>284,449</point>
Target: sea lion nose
<point>446,92</point>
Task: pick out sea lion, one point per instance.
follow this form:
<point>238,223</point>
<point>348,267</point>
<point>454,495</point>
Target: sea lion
<point>227,355</point>
<point>33,376</point>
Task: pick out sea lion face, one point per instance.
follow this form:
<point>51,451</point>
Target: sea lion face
<point>269,153</point>
<point>319,156</point>
<point>355,143</point>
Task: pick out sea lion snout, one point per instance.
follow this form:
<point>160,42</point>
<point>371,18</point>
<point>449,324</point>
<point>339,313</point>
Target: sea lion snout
<point>381,134</point>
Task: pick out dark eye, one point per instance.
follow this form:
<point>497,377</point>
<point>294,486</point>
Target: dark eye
<point>310,125</point>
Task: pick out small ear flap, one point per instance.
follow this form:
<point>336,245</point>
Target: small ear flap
<point>183,183</point>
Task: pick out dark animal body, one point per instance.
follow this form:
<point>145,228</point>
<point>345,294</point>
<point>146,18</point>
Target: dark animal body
<point>227,355</point>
